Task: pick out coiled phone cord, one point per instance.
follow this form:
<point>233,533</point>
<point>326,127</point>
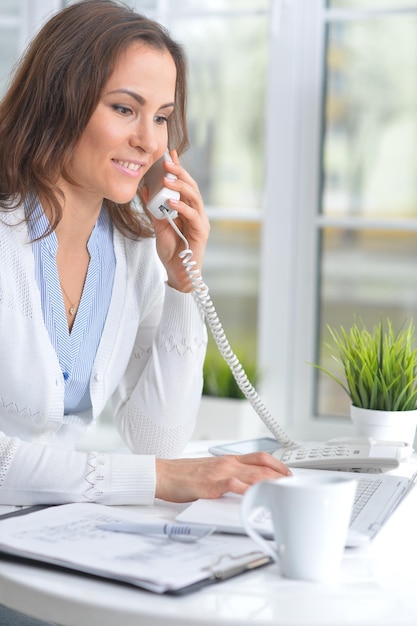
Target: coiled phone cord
<point>201,292</point>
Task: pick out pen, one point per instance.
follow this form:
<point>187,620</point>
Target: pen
<point>187,533</point>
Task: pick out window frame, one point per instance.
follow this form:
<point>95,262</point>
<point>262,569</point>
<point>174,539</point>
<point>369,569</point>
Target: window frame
<point>289,259</point>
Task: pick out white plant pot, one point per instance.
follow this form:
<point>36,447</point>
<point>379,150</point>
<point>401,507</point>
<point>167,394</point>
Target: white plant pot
<point>384,425</point>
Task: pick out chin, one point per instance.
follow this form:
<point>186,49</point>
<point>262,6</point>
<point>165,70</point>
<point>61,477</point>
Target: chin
<point>119,198</point>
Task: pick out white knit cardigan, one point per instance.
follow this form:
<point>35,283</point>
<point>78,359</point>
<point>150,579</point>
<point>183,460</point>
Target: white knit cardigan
<point>149,362</point>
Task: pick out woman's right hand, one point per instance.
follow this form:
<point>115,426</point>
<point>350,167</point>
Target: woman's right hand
<point>185,480</point>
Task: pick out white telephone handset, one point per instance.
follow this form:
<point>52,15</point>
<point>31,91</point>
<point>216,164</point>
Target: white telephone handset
<point>159,195</point>
<point>364,455</point>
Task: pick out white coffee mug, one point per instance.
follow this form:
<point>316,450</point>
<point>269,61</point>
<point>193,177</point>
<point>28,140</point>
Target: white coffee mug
<point>310,519</point>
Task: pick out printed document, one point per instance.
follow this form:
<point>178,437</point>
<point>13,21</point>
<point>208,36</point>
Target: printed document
<point>69,536</point>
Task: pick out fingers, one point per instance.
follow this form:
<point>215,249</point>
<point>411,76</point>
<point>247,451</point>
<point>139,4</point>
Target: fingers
<point>238,473</point>
<point>175,167</point>
<point>184,480</point>
<point>265,460</point>
<point>185,185</point>
<point>192,221</point>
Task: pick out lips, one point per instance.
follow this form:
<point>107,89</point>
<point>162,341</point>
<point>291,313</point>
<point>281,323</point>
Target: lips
<point>129,168</point>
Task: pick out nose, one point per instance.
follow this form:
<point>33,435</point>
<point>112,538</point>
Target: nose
<point>144,136</point>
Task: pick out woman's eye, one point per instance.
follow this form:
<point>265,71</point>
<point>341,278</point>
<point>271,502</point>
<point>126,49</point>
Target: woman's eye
<point>121,109</point>
<point>161,119</point>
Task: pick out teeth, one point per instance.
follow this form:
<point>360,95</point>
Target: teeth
<point>130,166</point>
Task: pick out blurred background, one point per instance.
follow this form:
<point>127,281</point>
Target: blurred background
<point>303,124</point>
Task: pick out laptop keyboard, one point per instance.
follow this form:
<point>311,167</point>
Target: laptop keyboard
<point>365,490</point>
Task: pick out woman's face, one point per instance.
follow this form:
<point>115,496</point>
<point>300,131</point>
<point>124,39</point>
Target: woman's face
<point>127,131</point>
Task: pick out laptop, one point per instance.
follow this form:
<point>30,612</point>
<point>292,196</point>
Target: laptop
<point>377,496</point>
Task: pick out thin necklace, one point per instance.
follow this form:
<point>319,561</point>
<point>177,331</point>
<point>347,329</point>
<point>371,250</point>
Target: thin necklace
<point>73,306</point>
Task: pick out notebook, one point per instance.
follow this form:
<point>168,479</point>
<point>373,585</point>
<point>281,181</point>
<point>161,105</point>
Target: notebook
<point>377,496</point>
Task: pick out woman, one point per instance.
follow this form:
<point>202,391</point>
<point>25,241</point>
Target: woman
<point>95,304</point>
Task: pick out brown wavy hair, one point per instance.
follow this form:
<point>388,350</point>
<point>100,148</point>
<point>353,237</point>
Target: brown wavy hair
<point>56,88</point>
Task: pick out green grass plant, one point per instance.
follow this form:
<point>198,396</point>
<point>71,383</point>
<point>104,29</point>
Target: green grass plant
<point>379,366</point>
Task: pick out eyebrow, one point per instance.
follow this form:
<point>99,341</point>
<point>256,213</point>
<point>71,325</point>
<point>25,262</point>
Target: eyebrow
<point>140,99</point>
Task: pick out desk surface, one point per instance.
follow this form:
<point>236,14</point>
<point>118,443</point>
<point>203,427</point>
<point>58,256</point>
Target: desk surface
<point>376,587</point>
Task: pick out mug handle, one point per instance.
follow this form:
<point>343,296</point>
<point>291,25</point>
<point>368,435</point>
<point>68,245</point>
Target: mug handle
<point>257,495</point>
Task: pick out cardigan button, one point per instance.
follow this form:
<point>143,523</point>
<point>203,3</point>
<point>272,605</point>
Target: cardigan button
<point>98,377</point>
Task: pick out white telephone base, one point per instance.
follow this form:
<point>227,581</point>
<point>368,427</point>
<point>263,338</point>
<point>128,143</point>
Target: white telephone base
<point>360,454</point>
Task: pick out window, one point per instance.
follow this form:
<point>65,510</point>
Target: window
<point>10,36</point>
<point>19,20</point>
<point>304,143</point>
<point>354,191</point>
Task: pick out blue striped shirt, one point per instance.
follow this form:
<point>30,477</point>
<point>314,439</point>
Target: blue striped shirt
<point>76,350</point>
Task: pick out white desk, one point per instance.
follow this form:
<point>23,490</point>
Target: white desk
<point>377,587</point>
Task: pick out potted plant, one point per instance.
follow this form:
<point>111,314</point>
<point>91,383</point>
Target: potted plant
<point>379,369</point>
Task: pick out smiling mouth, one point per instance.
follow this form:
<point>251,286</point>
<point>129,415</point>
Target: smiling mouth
<point>134,167</point>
